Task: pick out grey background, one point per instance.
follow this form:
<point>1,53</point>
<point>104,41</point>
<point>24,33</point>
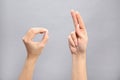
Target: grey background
<point>102,18</point>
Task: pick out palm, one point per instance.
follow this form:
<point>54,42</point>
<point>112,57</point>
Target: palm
<point>82,44</point>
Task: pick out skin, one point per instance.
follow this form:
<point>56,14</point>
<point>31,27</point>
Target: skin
<point>34,49</point>
<point>78,40</point>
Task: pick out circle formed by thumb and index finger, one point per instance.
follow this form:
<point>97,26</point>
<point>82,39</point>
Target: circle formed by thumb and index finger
<point>34,31</point>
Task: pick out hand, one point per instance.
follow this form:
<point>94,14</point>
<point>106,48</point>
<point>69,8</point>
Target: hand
<point>78,39</point>
<point>35,48</point>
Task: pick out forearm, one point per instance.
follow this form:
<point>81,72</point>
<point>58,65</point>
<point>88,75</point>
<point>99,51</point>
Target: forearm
<point>34,50</point>
<point>28,69</point>
<point>79,67</point>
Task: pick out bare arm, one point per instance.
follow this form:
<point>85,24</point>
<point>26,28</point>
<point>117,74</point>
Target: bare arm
<point>78,43</point>
<point>34,49</point>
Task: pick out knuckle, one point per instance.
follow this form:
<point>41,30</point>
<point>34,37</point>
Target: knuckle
<point>69,37</point>
<point>24,40</point>
<point>72,32</point>
<point>32,30</point>
<point>46,30</point>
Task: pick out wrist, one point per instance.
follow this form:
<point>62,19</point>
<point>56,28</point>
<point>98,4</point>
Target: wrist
<point>78,57</point>
<point>32,58</point>
<point>30,62</point>
<point>79,54</point>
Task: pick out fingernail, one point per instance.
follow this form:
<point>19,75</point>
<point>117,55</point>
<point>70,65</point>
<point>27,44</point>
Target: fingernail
<point>72,9</point>
<point>77,12</point>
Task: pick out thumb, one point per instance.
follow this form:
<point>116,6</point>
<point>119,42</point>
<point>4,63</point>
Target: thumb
<point>45,38</point>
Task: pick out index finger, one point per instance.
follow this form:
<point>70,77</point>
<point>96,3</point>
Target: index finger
<point>73,14</point>
<point>80,20</point>
<point>33,31</point>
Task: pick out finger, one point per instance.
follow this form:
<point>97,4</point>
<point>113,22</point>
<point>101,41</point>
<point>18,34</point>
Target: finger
<point>78,33</point>
<point>80,20</point>
<point>33,31</point>
<point>45,38</point>
<point>28,36</point>
<point>70,40</point>
<point>38,31</point>
<point>74,37</point>
<point>73,14</point>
